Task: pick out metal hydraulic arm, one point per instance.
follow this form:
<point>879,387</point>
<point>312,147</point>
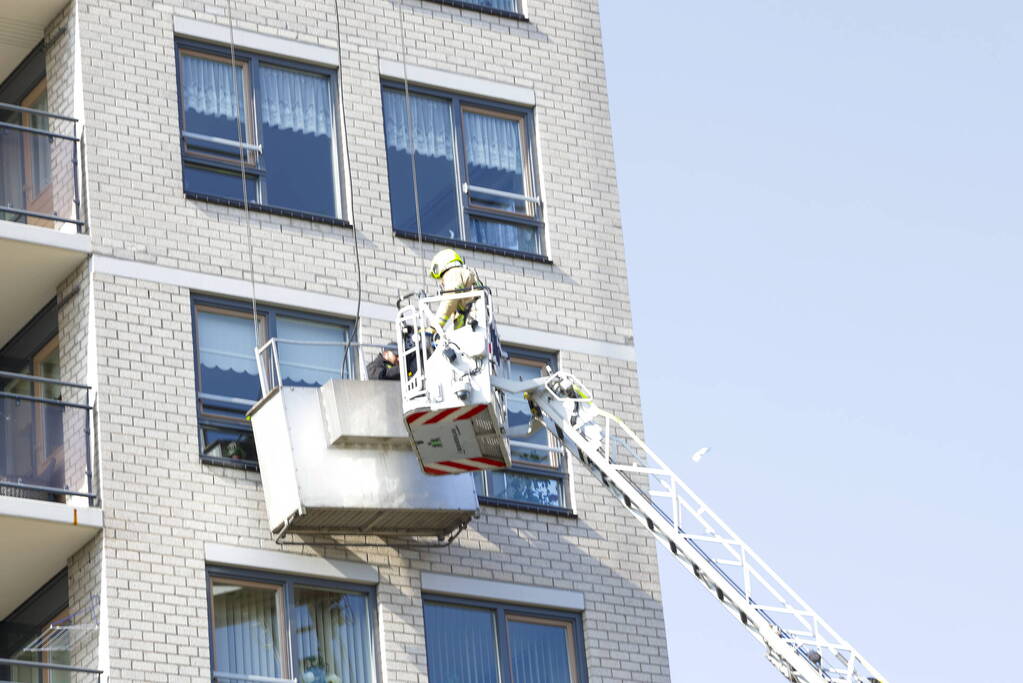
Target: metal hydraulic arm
<point>799,643</point>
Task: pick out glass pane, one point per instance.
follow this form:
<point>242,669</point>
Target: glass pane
<point>203,180</point>
<point>39,153</point>
<point>461,644</point>
<point>310,365</point>
<point>504,235</point>
<point>506,5</point>
<point>211,103</point>
<point>227,361</point>
<point>540,652</point>
<point>229,444</point>
<point>439,203</point>
<point>246,630</point>
<point>331,637</point>
<point>526,488</point>
<point>296,129</point>
<point>519,416</point>
<point>493,154</point>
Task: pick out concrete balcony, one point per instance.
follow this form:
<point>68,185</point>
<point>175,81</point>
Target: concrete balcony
<point>22,25</point>
<point>48,501</point>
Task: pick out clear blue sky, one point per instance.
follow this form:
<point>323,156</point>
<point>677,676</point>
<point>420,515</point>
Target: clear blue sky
<point>822,210</point>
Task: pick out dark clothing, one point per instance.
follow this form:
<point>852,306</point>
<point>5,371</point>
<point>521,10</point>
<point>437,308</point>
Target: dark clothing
<point>379,368</point>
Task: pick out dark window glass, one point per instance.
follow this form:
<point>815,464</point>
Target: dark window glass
<point>297,135</point>
<point>286,110</point>
<point>505,5</point>
<point>478,642</point>
<point>435,165</point>
<point>538,473</point>
<point>474,172</point>
<point>461,644</point>
<point>218,182</point>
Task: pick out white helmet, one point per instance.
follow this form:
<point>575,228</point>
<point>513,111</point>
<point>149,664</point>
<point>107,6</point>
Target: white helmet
<point>443,261</point>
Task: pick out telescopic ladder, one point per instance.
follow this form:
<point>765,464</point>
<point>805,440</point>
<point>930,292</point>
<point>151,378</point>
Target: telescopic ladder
<point>799,643</point>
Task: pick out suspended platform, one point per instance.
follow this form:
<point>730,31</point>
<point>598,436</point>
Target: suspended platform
<point>337,460</point>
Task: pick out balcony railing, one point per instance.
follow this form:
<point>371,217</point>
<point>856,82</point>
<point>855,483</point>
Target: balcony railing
<point>22,671</point>
<point>39,168</point>
<point>45,439</point>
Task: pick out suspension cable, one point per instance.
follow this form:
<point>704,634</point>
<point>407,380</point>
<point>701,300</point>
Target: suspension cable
<point>411,138</point>
<point>355,230</point>
<point>239,96</point>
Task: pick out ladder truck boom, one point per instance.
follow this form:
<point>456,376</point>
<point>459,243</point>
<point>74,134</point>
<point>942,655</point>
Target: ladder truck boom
<point>799,643</point>
<point>454,388</point>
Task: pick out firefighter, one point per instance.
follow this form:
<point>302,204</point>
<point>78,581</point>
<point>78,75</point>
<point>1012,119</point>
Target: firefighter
<point>449,268</point>
<point>385,365</point>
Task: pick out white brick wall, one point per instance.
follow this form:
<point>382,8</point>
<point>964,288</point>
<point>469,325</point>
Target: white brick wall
<point>161,504</point>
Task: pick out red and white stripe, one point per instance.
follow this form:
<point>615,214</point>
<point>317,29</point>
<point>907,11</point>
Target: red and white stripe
<point>467,465</point>
<point>429,417</point>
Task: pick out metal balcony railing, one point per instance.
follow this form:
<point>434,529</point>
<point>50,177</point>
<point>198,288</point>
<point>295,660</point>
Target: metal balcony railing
<point>39,168</point>
<point>290,361</point>
<point>45,439</point>
<point>22,671</point>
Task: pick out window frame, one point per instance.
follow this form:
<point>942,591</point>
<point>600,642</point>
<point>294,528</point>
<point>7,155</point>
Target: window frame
<point>519,14</point>
<point>460,103</point>
<point>559,471</point>
<point>505,612</point>
<point>268,315</point>
<point>287,583</point>
<point>254,167</point>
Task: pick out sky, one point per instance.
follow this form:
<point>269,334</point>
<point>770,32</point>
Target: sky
<point>822,211</point>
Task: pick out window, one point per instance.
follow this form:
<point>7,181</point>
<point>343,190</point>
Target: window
<point>475,642</point>
<point>227,380</point>
<point>538,475</point>
<point>282,627</point>
<point>287,126</point>
<point>506,8</point>
<point>475,170</point>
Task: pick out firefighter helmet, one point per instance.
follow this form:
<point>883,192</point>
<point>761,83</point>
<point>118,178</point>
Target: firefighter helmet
<point>445,260</point>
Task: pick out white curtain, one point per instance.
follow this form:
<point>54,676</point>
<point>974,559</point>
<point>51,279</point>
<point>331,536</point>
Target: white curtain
<point>226,342</point>
<point>493,142</point>
<point>295,101</point>
<point>432,125</point>
<point>246,635</point>
<point>207,86</point>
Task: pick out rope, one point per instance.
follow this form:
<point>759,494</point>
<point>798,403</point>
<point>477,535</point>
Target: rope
<point>355,231</point>
<point>411,139</point>
<point>241,168</point>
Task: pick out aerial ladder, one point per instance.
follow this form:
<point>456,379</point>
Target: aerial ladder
<point>454,407</point>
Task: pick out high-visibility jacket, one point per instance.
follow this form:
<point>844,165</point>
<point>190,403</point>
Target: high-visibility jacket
<point>457,279</point>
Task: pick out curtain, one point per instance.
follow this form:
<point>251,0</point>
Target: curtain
<point>332,637</point>
<point>207,89</point>
<point>432,119</point>
<point>291,100</point>
<point>227,362</point>
<point>308,364</point>
<point>493,142</point>
<point>539,652</point>
<point>246,630</point>
<point>461,644</point>
<point>504,235</point>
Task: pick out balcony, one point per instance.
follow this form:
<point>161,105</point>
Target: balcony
<point>42,234</point>
<point>25,671</point>
<point>48,501</point>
